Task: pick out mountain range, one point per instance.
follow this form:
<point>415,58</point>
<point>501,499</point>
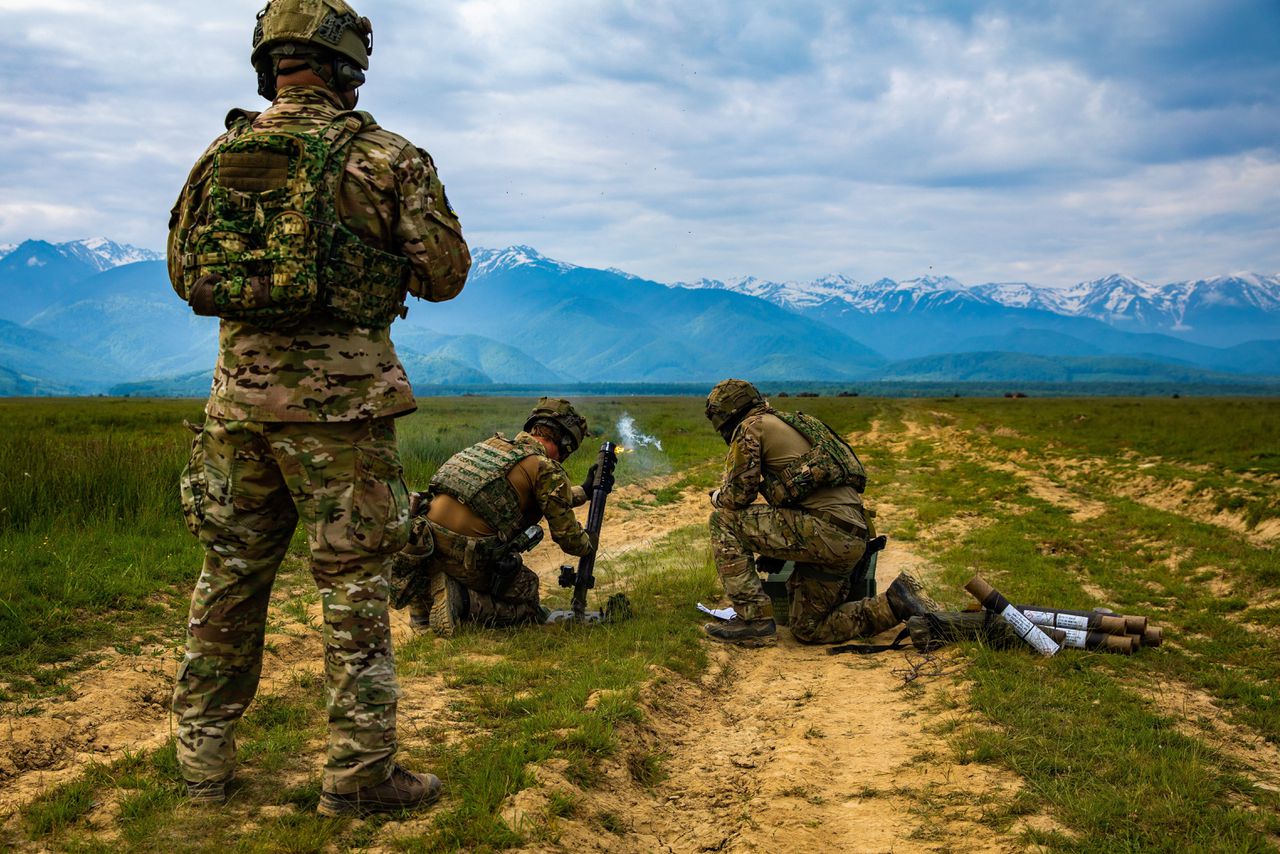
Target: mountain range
<point>95,316</point>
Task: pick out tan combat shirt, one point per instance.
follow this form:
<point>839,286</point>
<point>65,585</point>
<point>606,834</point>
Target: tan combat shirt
<point>764,442</point>
<point>543,489</point>
<point>328,370</point>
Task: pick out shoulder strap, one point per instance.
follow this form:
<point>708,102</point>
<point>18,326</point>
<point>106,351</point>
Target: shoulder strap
<point>238,116</point>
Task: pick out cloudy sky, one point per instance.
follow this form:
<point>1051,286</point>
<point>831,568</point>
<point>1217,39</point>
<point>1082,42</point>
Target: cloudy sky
<point>1049,142</point>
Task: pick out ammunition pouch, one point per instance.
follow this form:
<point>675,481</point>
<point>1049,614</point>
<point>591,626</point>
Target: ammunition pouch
<point>410,567</point>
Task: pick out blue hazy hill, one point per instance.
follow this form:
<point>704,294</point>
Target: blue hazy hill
<point>602,325</point>
<point>530,321</point>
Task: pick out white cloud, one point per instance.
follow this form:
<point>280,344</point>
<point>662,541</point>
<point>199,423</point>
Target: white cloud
<point>782,139</point>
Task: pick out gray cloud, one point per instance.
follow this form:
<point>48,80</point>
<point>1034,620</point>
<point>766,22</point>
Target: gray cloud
<point>676,140</point>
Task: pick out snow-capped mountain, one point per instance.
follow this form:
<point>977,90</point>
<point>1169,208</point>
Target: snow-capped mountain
<point>486,261</point>
<point>104,254</point>
<point>99,253</point>
<point>1120,301</point>
<point>793,295</point>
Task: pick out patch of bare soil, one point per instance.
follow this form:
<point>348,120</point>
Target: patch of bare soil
<point>632,520</point>
<point>1197,716</point>
<point>782,748</point>
<point>1054,478</point>
<point>121,705</point>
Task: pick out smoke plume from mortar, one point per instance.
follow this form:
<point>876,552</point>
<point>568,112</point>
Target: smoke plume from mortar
<point>644,454</point>
<point>632,438</point>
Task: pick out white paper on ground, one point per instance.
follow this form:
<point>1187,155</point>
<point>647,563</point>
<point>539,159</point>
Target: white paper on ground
<point>718,613</point>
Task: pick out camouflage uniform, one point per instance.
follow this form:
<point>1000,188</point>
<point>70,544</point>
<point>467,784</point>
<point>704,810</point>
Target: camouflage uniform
<point>464,542</point>
<point>825,533</point>
<point>299,426</point>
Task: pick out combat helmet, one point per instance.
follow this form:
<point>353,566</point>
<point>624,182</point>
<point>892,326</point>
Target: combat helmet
<point>729,402</point>
<point>559,414</point>
<point>327,35</point>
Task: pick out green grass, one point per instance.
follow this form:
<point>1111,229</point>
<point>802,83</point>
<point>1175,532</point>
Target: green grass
<point>93,552</point>
<point>536,693</point>
<point>1082,730</point>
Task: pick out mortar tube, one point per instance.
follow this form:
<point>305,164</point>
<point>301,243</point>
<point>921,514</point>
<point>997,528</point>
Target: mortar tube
<point>1153,636</point>
<point>993,601</point>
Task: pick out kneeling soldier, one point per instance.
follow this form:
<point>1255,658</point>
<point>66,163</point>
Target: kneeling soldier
<point>812,481</point>
<point>482,500</point>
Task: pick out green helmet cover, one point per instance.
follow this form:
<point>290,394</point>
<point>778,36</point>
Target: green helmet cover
<point>559,414</point>
<point>329,25</point>
<point>731,399</point>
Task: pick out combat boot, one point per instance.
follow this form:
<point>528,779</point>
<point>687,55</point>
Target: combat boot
<point>907,598</point>
<point>420,616</point>
<point>448,605</point>
<point>743,632</point>
<point>209,792</point>
<point>403,790</point>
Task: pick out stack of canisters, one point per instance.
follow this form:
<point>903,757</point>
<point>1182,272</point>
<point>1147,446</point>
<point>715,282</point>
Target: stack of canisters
<point>1099,629</point>
<point>1049,629</point>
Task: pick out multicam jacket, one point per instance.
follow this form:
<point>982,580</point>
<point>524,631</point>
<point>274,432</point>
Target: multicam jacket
<point>764,442</point>
<point>543,490</point>
<point>325,369</point>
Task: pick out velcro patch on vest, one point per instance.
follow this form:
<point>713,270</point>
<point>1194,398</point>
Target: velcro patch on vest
<point>253,171</point>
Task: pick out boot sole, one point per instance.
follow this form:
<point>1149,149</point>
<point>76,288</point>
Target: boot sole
<point>442,618</point>
<point>364,809</point>
<point>747,642</point>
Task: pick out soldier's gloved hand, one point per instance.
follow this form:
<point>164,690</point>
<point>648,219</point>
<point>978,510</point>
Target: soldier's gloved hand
<point>418,502</point>
<point>606,482</point>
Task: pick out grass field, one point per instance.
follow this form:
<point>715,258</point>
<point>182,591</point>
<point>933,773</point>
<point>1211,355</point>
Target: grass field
<point>1156,506</point>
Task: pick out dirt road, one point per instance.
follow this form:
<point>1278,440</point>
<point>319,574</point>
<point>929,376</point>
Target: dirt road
<point>784,747</point>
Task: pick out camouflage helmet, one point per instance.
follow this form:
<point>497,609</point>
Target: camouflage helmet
<point>729,401</point>
<point>559,414</point>
<point>327,25</point>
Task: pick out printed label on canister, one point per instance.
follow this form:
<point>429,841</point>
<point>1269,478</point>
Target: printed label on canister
<point>1029,631</point>
<point>1058,620</point>
<point>1075,638</point>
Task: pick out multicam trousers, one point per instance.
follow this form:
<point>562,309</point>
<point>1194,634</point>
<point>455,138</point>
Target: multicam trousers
<point>244,490</point>
<point>824,555</point>
<point>495,600</point>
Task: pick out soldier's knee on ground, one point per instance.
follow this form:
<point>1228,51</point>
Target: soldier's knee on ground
<point>805,632</point>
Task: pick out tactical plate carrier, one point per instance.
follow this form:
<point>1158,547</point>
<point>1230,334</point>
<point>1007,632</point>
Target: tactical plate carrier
<point>267,247</point>
<point>829,462</point>
<point>477,477</point>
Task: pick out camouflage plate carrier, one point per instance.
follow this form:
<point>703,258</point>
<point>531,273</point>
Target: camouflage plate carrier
<point>829,462</point>
<point>267,246</point>
<point>477,477</point>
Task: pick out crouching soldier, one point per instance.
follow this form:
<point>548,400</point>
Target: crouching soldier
<point>812,481</point>
<point>481,502</point>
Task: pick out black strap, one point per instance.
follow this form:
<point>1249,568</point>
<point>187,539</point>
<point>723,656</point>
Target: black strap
<point>869,648</point>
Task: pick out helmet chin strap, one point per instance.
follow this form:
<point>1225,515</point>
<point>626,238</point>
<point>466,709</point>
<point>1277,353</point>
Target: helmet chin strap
<point>341,76</point>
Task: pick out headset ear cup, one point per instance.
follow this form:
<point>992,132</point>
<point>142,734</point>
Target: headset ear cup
<point>267,85</point>
<point>347,76</point>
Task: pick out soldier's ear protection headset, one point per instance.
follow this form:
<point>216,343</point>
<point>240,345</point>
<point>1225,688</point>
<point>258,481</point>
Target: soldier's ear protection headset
<point>340,72</point>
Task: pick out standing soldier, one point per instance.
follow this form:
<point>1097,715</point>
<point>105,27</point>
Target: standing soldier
<point>812,481</point>
<point>468,539</point>
<point>303,227</point>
